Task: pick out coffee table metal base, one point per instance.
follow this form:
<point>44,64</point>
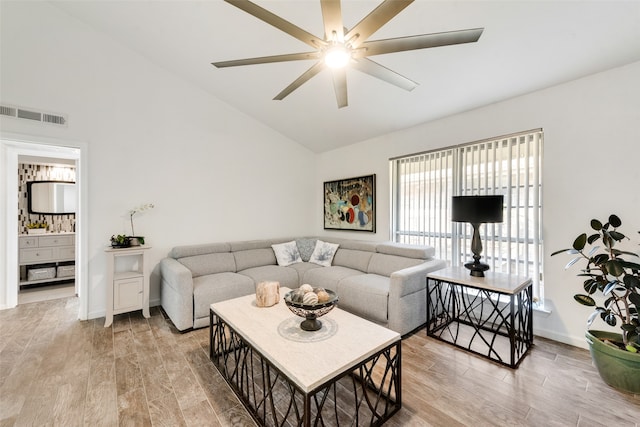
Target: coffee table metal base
<point>368,393</point>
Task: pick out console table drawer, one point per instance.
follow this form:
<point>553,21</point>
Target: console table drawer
<point>36,255</point>
<point>67,253</point>
<point>28,242</point>
<point>66,240</point>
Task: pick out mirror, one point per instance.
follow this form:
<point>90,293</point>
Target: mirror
<point>52,197</point>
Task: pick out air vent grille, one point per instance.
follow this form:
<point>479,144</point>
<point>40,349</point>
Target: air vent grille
<point>29,114</point>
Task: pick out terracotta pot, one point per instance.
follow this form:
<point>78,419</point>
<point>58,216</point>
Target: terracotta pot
<point>618,368</point>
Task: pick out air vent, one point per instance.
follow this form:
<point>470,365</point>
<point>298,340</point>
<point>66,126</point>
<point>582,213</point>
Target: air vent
<point>39,116</point>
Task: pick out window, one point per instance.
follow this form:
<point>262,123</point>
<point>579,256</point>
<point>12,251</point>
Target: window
<point>423,184</point>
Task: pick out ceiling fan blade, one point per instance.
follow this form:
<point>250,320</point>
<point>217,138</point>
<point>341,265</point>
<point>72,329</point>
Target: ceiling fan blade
<point>267,59</point>
<point>374,69</point>
<point>340,85</point>
<point>374,20</point>
<point>305,77</point>
<point>332,18</point>
<point>278,22</point>
<point>378,47</point>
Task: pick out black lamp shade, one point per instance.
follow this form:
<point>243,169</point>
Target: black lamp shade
<point>477,209</point>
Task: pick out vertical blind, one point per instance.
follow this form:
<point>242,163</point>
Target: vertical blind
<point>423,185</point>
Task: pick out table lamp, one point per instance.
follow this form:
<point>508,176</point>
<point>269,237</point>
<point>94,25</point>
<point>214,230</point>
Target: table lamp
<point>477,210</point>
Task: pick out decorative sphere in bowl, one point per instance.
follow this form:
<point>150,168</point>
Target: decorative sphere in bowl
<point>320,303</point>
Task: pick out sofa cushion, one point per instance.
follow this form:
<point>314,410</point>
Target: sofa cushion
<point>405,250</point>
<point>286,253</point>
<point>355,259</point>
<point>323,253</point>
<point>328,277</point>
<point>273,273</point>
<point>218,287</point>
<point>384,265</point>
<point>365,295</point>
<point>358,245</point>
<point>245,245</point>
<point>254,258</point>
<point>201,265</point>
<point>192,250</point>
<point>306,247</point>
<point>302,268</point>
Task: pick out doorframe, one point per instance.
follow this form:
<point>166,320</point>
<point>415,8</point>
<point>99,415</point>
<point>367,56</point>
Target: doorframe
<point>13,146</point>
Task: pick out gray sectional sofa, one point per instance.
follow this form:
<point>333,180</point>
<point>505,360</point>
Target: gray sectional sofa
<point>382,282</point>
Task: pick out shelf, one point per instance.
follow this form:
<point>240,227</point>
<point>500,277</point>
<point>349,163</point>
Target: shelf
<point>37,282</point>
<point>127,275</point>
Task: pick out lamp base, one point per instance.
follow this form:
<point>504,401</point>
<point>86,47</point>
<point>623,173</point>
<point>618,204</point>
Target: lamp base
<point>477,268</point>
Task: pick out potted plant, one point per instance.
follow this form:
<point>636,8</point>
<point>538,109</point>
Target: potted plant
<point>120,241</point>
<point>37,228</point>
<point>137,240</point>
<point>611,275</point>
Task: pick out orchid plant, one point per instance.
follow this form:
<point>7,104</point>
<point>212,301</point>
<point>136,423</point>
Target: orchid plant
<point>136,210</point>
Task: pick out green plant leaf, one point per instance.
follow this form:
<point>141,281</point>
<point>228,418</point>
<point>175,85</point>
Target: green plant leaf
<point>592,317</point>
<point>615,221</point>
<point>596,225</point>
<point>635,299</point>
<point>610,286</point>
<point>585,300</point>
<point>610,319</point>
<point>631,281</point>
<point>563,251</point>
<point>580,242</point>
<point>618,252</point>
<point>617,236</point>
<point>573,261</point>
<point>615,268</point>
<point>593,251</point>
<point>629,265</point>
<point>593,238</point>
<point>590,286</point>
<point>600,259</point>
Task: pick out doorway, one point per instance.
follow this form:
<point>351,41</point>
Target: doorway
<point>47,199</point>
<point>15,149</point>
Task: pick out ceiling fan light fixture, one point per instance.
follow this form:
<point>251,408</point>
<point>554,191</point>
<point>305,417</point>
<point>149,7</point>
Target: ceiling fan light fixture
<point>337,56</point>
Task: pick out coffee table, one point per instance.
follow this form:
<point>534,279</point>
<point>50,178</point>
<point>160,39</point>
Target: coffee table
<point>347,373</point>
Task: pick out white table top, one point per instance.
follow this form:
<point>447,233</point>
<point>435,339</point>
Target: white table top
<point>492,281</point>
<point>307,364</point>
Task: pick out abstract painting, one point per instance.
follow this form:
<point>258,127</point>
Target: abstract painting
<point>349,204</point>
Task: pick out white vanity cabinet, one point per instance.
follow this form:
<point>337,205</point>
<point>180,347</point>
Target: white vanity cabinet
<point>127,282</point>
<point>44,253</point>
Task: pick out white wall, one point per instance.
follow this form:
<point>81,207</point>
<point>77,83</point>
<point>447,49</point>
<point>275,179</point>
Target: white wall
<point>592,146</point>
<point>213,173</point>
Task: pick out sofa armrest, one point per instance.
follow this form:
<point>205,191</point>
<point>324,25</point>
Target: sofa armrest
<point>412,279</point>
<point>176,293</point>
<point>407,308</point>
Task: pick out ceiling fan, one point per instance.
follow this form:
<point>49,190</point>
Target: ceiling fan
<point>343,47</point>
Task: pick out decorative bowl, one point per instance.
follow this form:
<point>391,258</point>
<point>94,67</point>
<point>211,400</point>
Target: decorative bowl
<point>311,312</point>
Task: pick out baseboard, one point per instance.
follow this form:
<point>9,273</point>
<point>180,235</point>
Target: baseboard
<point>552,335</point>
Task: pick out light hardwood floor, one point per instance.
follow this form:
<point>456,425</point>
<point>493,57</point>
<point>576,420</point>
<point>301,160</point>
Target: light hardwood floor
<point>56,370</point>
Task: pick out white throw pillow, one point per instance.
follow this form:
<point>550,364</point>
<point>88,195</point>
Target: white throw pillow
<point>287,253</point>
<point>323,253</point>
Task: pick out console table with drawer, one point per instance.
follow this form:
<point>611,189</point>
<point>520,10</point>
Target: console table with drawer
<point>46,258</point>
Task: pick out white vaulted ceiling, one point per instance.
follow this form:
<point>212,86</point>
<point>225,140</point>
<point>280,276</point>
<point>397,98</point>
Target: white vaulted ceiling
<point>526,46</point>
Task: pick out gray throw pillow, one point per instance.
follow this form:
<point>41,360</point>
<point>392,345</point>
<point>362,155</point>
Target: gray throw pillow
<point>306,247</point>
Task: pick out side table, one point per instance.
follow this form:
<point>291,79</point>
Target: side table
<point>490,316</point>
<point>127,282</point>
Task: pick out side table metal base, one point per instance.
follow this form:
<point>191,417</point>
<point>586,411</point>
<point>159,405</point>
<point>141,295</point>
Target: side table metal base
<point>485,322</point>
